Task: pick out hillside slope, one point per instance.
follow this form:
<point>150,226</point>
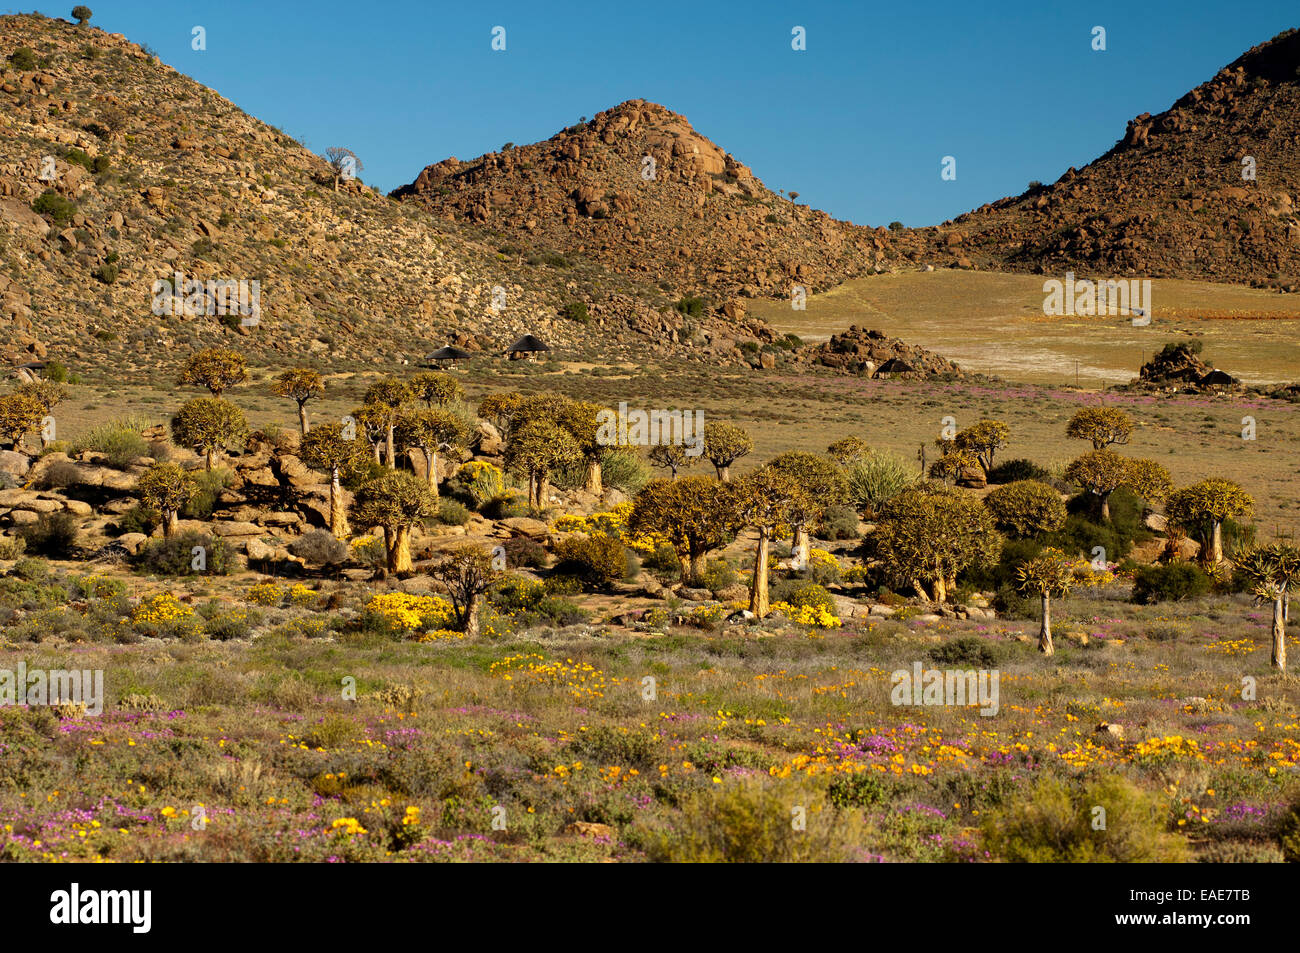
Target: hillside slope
<point>155,174</point>
<point>693,219</point>
<point>1170,199</point>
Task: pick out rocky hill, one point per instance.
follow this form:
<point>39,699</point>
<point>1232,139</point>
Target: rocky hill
<point>116,172</point>
<point>1175,197</point>
<point>638,189</point>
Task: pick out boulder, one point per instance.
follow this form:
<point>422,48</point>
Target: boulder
<point>225,529</point>
<point>525,526</point>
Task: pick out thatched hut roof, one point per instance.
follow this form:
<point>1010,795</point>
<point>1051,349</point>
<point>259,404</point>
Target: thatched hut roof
<point>449,353</point>
<point>529,343</point>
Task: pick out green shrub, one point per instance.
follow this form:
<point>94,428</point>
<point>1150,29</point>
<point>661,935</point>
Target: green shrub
<point>837,522</point>
<point>692,306</point>
<point>53,535</point>
<point>718,574</point>
<point>967,651</point>
<point>120,441</point>
<point>802,592</point>
<point>598,559</point>
<point>55,206</point>
<point>576,311</point>
<point>320,548</point>
<point>876,478</point>
<point>664,563</point>
<point>1169,583</point>
<point>11,547</point>
<point>204,501</point>
<point>524,552</point>
<point>857,790</point>
<point>452,513</point>
<point>223,623</point>
<point>561,611</point>
<point>24,59</point>
<point>1054,824</point>
<point>1013,471</point>
<point>138,519</point>
<point>751,822</point>
<point>175,556</point>
<point>1026,508</point>
<point>624,471</point>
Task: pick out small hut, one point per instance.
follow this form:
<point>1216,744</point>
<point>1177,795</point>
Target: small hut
<point>446,357</point>
<point>527,347</point>
<point>894,366</point>
<point>1217,380</point>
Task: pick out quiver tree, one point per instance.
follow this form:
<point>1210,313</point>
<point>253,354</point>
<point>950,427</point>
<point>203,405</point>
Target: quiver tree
<point>466,572</point>
<point>1026,508</point>
<point>579,418</point>
<point>206,425</point>
<point>19,414</point>
<point>1201,508</point>
<point>951,462</point>
<point>216,368</point>
<point>1100,473</point>
<point>435,388</point>
<point>1052,573</point>
<point>929,533</point>
<point>327,449</point>
<point>48,394</point>
<point>372,424</point>
<point>536,450</point>
<point>983,440</point>
<point>848,450</point>
<point>767,500</point>
<point>724,444</point>
<point>343,162</point>
<point>1149,479</point>
<point>1102,426</point>
<point>299,384</point>
<point>395,500</point>
<point>166,488</point>
<point>501,411</point>
<point>431,430</point>
<point>823,485</point>
<point>670,456</point>
<point>387,397</point>
<point>695,514</point>
<point>1270,571</point>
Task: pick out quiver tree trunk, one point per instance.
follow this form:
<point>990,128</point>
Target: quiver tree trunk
<point>1279,635</point>
<point>1045,629</point>
<point>1216,545</point>
<point>171,522</point>
<point>472,627</point>
<point>800,546</point>
<point>758,599</point>
<point>431,470</point>
<point>338,513</point>
<point>392,451</point>
<point>595,483</point>
<point>694,563</point>
<point>302,418</point>
<point>398,540</point>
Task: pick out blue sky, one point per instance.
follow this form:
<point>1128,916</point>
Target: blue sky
<point>858,123</point>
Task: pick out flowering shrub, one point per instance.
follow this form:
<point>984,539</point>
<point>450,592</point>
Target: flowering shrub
<point>266,594</point>
<point>401,613</point>
<point>814,615</point>
<point>302,597</point>
<point>164,617</point>
<point>580,679</point>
